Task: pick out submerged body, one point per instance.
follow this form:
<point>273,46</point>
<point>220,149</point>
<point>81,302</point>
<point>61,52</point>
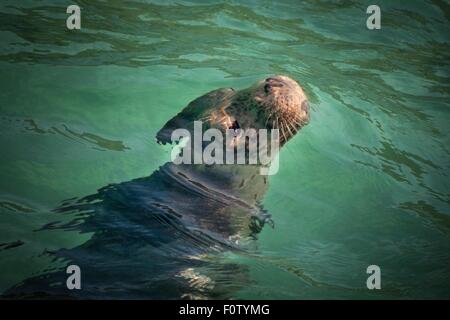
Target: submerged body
<point>151,234</point>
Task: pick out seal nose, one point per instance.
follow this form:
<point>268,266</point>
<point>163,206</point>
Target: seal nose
<point>275,78</point>
<point>271,83</point>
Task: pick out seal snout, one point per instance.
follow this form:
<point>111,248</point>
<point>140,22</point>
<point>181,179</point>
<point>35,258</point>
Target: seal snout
<point>273,82</point>
<point>284,103</point>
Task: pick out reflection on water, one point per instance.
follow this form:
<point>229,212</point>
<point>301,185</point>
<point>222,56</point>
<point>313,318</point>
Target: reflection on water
<point>148,236</point>
<point>367,182</point>
<point>85,136</point>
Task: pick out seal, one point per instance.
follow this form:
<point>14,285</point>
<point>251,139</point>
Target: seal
<point>276,102</point>
<point>150,235</point>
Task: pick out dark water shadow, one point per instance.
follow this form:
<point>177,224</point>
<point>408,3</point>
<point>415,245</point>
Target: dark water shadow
<point>158,237</point>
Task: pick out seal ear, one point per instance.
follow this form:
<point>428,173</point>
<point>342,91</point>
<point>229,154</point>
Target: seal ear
<point>199,109</point>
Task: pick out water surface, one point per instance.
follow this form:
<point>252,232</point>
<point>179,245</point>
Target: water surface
<point>366,182</point>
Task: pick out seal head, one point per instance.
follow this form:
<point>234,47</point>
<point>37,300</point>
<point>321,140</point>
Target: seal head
<point>277,102</point>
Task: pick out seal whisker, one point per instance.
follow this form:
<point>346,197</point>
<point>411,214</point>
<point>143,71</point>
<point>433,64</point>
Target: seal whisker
<point>283,132</point>
<point>269,117</point>
<point>276,123</point>
<point>288,128</point>
<point>293,127</point>
<point>299,121</point>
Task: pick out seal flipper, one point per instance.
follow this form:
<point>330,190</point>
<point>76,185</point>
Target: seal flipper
<point>195,110</point>
<point>258,220</point>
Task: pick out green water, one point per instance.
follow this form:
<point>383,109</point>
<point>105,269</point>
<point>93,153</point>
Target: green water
<point>366,182</point>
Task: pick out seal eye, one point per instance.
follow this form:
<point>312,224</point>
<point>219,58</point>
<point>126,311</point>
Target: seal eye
<point>267,88</point>
<point>305,106</point>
